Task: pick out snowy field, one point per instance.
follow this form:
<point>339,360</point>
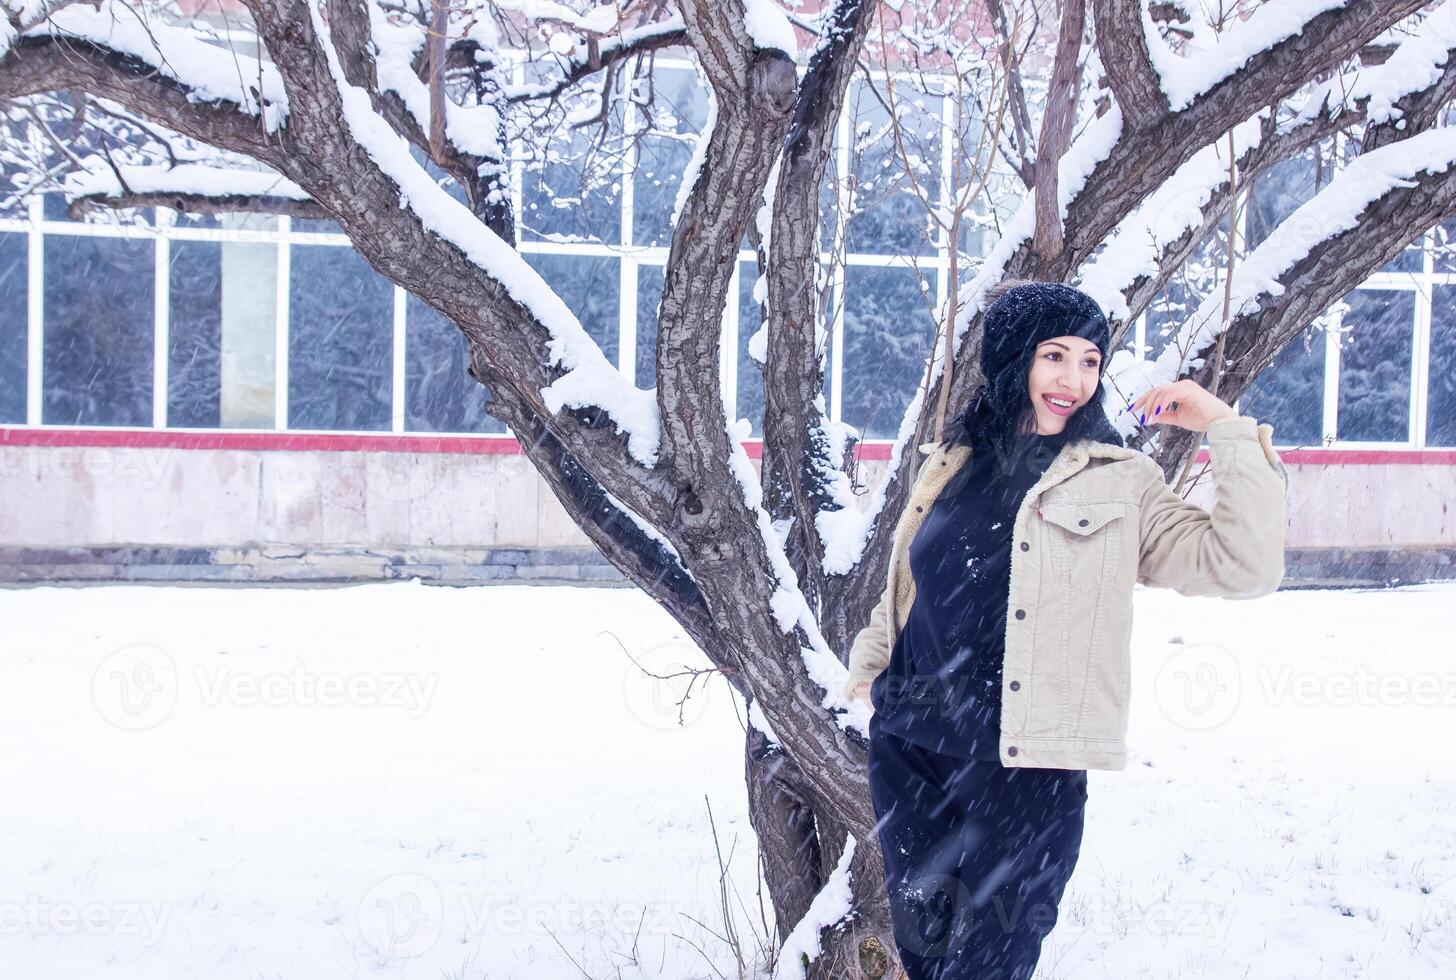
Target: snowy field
<point>395,780</point>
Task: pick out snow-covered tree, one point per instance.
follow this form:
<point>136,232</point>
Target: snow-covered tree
<point>1112,144</point>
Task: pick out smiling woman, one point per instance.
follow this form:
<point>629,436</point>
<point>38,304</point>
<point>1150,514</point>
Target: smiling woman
<point>997,662</point>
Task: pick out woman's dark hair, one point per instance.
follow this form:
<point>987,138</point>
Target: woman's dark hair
<point>1020,316</point>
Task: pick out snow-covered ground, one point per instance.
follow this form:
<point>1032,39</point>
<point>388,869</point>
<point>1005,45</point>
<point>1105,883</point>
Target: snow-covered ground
<point>395,780</point>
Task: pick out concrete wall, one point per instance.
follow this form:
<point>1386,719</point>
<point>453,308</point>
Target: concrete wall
<point>357,512</point>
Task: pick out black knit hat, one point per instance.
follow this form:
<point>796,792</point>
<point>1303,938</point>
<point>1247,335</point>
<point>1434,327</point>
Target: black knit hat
<point>1022,315</point>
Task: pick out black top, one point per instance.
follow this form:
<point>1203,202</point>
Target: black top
<point>942,686</point>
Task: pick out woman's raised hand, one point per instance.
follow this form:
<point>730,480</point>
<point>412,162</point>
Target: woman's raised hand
<point>862,691</point>
<point>1183,403</point>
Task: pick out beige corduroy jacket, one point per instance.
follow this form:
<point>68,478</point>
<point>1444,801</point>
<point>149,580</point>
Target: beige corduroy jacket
<point>1100,519</point>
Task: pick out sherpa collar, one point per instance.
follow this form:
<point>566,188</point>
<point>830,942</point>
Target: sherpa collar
<point>1070,459</point>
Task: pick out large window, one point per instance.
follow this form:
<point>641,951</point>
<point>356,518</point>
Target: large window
<point>888,331</point>
<point>679,112</point>
<point>442,396</point>
<point>194,337</point>
<point>889,200</point>
<point>13,268</point>
<point>257,322</point>
<point>1349,376</point>
<point>340,341</point>
<point>1441,389</point>
<point>98,338</point>
<point>1289,394</point>
<point>1375,366</point>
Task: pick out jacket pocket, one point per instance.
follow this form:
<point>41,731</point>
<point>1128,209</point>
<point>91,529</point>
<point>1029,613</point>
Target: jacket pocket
<point>1086,539</point>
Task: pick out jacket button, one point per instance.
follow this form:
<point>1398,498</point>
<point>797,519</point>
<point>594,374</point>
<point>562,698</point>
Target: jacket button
<point>1025,546</point>
<point>919,508</point>
<point>1082,522</point>
<point>1021,614</point>
<point>1011,750</point>
<point>1015,685</point>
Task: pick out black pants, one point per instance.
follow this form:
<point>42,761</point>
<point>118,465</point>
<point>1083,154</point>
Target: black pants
<point>976,857</point>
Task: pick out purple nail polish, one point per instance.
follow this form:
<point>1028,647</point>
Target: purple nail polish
<point>1158,409</point>
<point>1142,419</point>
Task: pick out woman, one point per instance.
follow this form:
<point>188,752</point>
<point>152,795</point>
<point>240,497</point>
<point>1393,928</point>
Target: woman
<point>985,724</point>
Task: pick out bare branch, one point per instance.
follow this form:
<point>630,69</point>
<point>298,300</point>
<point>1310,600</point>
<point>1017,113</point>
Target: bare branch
<point>1144,158</point>
<point>1123,45</point>
<point>39,64</point>
<point>1056,131</point>
<point>797,466</point>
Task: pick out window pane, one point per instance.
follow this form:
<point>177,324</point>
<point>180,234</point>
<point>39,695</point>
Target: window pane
<point>255,221</point>
<point>1444,250</point>
<point>750,403</point>
<point>750,372</point>
<point>326,226</point>
<point>340,341</point>
<point>98,330</point>
<point>1375,366</point>
<point>590,286</point>
<point>1407,261</point>
<point>441,396</point>
<point>1168,311</point>
<point>888,213</point>
<point>678,113</point>
<point>887,336</point>
<point>649,295</point>
<point>194,343</point>
<point>1278,192</point>
<point>571,182</point>
<point>1289,393</point>
<point>13,320</point>
<point>222,339</point>
<point>1183,294</point>
<point>1441,398</point>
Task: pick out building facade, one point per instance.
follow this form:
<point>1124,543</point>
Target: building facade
<point>242,397</point>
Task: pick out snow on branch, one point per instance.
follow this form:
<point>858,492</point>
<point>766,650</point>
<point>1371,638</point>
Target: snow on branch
<point>1414,66</point>
<point>192,179</point>
<point>1209,59</point>
<point>192,187</point>
<point>590,379</point>
<point>830,906</point>
<point>1174,209</point>
<point>789,605</point>
<point>1334,210</point>
<point>769,28</point>
<point>668,32</point>
<point>209,72</point>
<point>1372,93</point>
<point>471,129</point>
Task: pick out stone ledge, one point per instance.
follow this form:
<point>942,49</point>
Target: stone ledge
<point>1370,567</point>
<point>293,564</point>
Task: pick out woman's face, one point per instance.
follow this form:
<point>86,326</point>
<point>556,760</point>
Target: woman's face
<point>1063,377</point>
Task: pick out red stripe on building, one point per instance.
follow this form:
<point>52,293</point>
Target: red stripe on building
<point>387,442</point>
